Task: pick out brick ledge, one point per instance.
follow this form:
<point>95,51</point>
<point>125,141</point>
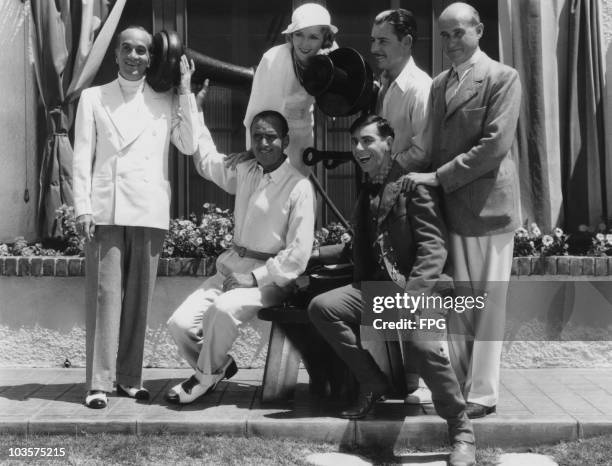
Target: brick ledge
<point>37,266</point>
<point>49,266</point>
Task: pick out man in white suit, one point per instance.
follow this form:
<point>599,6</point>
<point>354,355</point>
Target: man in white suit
<point>122,201</point>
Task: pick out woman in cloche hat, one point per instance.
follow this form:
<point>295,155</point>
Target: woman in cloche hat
<point>277,85</point>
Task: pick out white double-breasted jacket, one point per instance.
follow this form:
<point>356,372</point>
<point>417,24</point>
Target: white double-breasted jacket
<point>120,164</point>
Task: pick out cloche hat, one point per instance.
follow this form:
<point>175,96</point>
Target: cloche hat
<point>309,14</point>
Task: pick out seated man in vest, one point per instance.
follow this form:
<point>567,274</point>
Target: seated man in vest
<point>273,236</point>
<point>399,237</point>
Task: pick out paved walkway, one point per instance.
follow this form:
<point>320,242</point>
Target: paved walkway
<point>536,406</point>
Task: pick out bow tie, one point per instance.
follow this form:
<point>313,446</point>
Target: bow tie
<point>373,189</point>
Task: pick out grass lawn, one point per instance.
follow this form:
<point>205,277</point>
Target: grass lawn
<point>105,449</point>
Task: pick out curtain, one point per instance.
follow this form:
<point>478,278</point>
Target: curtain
<point>69,39</point>
<point>556,47</point>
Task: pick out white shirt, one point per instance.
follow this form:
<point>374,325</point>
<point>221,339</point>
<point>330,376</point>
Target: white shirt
<point>404,105</point>
<point>273,213</point>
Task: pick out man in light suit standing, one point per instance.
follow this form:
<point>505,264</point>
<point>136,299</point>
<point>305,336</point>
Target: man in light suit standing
<point>122,201</point>
<point>474,112</point>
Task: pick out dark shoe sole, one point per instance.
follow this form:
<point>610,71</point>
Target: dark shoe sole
<point>141,395</point>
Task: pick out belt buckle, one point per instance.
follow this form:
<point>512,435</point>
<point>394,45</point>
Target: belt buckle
<point>241,251</point>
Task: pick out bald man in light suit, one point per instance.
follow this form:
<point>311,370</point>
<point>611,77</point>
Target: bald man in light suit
<point>123,132</point>
<point>474,112</point>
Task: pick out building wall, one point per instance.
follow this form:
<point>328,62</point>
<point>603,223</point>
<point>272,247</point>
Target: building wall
<point>607,52</point>
<point>18,149</point>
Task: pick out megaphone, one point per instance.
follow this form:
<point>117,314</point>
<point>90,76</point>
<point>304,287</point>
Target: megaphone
<point>164,71</point>
<point>341,82</point>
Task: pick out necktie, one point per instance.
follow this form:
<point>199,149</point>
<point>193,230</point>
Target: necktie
<point>452,85</point>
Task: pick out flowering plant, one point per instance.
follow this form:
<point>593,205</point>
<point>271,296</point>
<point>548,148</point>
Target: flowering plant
<point>209,236</point>
<point>20,247</point>
<point>334,233</point>
<point>73,244</point>
<point>601,241</point>
<point>212,233</point>
<point>531,242</point>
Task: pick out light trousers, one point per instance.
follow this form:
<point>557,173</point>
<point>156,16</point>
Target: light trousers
<point>481,266</point>
<point>121,268</point>
<point>205,325</point>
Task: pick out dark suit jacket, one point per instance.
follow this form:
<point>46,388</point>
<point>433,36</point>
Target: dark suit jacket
<point>410,232</point>
<point>469,144</point>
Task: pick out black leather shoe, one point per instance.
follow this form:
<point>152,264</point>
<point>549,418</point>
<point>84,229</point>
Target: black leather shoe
<point>365,402</point>
<point>475,410</point>
<point>461,435</point>
<point>463,454</point>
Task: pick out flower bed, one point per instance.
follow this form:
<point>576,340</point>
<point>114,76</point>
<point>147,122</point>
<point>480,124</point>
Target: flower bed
<point>212,232</point>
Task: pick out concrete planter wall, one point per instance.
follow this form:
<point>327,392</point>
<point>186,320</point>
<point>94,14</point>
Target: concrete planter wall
<point>42,312</point>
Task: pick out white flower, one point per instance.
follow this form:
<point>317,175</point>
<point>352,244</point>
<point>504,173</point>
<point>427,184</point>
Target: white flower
<point>547,240</point>
<point>345,238</point>
<point>583,228</point>
<point>535,230</point>
<point>609,239</point>
<point>600,237</point>
<point>228,238</point>
<point>558,232</point>
<point>521,232</point>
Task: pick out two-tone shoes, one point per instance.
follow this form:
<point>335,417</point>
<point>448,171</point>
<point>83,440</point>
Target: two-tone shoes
<point>191,389</point>
<point>132,392</point>
<point>96,399</point>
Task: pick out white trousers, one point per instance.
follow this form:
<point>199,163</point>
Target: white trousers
<point>482,266</point>
<point>205,325</point>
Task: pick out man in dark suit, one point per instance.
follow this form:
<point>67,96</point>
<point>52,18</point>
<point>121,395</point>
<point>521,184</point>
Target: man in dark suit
<point>474,112</point>
<point>399,238</point>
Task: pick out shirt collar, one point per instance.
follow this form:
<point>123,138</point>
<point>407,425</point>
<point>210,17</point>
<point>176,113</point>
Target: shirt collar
<point>279,174</point>
<point>405,76</point>
<point>468,64</point>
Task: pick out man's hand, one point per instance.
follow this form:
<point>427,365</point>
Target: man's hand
<point>200,96</point>
<point>187,70</point>
<point>86,226</point>
<point>239,280</point>
<point>410,180</point>
<point>232,160</point>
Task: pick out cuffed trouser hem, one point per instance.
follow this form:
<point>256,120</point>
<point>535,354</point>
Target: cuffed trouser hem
<point>131,380</point>
<point>102,381</point>
<point>485,400</point>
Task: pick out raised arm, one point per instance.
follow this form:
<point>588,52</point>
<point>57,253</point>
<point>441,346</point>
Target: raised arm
<point>186,127</point>
<point>210,164</point>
